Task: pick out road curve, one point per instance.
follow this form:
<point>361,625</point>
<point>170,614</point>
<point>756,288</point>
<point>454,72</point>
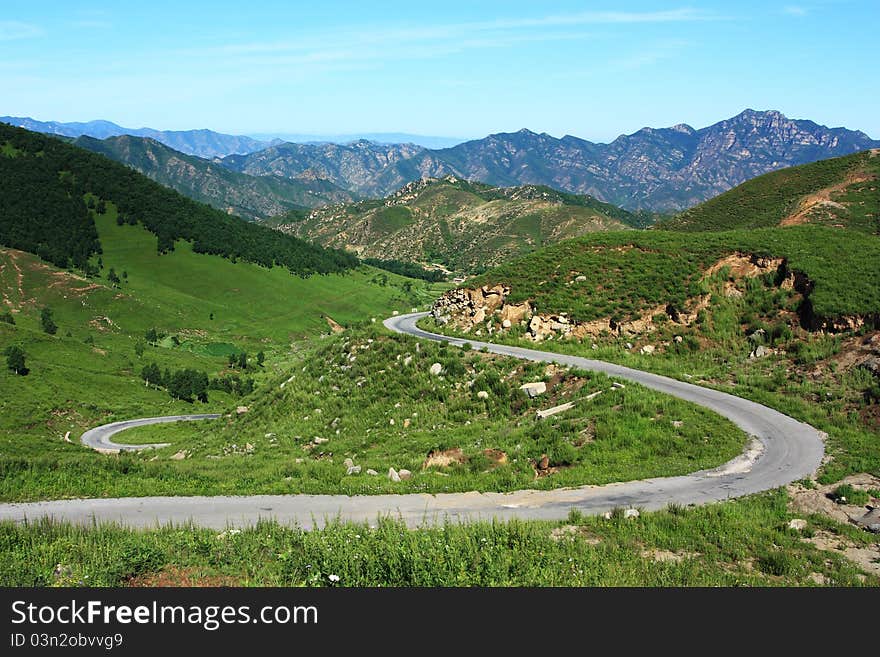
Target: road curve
<point>99,437</point>
<point>783,450</point>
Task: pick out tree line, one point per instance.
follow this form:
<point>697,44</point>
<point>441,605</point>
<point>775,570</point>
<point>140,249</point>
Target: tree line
<point>43,183</point>
<point>408,269</point>
<point>190,385</point>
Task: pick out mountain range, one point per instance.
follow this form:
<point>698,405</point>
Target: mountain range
<point>665,170</point>
<point>655,169</point>
<point>250,197</point>
<point>202,143</point>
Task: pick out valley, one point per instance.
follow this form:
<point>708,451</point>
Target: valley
<point>128,300</point>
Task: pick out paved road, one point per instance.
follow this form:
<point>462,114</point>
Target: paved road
<point>99,437</point>
<point>783,450</point>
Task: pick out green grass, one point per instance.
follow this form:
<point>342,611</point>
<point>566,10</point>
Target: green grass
<point>630,272</point>
<point>801,379</point>
<point>389,220</point>
<point>740,543</point>
<point>348,390</point>
<point>766,200</point>
<point>89,372</point>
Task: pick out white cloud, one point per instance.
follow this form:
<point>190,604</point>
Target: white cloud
<point>13,30</point>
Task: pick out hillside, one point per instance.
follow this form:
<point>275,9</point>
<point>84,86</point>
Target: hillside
<point>203,309</point>
<point>464,225</point>
<point>661,170</point>
<point>250,197</point>
<point>201,143</point>
<point>47,188</point>
<point>841,192</point>
<point>617,282</point>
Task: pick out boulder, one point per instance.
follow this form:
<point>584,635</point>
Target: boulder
<point>241,409</point>
<point>438,459</point>
<point>870,521</point>
<point>482,394</point>
<point>372,472</point>
<point>435,369</point>
<point>540,415</point>
<point>393,475</point>
<point>348,463</point>
<point>404,475</point>
<point>631,513</point>
<point>353,470</point>
<point>407,361</point>
<point>534,389</point>
<point>505,323</point>
<point>580,279</point>
<point>647,350</point>
<point>797,524</point>
<point>759,352</point>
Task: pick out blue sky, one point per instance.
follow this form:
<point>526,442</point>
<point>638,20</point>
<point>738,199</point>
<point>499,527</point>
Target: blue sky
<point>466,69</point>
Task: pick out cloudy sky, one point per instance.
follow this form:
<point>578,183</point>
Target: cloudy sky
<point>461,69</point>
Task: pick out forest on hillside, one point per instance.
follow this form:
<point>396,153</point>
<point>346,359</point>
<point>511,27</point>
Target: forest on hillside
<point>43,186</point>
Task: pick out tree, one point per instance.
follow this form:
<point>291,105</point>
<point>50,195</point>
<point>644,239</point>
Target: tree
<point>47,321</point>
<point>261,357</point>
<point>7,318</point>
<point>139,347</point>
<point>151,336</point>
<point>242,360</point>
<point>15,360</point>
<point>113,278</point>
<point>152,375</point>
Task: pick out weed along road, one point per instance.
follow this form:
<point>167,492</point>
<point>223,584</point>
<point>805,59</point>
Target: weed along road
<point>783,450</point>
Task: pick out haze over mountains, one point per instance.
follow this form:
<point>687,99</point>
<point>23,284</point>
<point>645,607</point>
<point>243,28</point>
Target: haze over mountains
<point>661,170</point>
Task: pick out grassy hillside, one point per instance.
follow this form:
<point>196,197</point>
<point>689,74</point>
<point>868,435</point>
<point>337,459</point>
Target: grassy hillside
<point>840,192</point>
<point>746,333</point>
<point>464,225</point>
<point>370,397</point>
<point>250,197</point>
<point>628,273</point>
<point>47,188</point>
<point>203,307</point>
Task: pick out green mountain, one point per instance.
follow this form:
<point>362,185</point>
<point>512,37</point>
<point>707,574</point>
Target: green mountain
<point>250,197</point>
<point>842,192</point>
<point>465,226</point>
<point>47,188</point>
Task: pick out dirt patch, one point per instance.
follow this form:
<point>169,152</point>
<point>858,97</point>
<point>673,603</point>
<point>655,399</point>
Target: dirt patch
<point>334,325</point>
<point>178,576</point>
<point>573,532</point>
<point>742,265</point>
<point>817,500</point>
<point>445,458</point>
<point>866,557</point>
<point>663,556</point>
<point>812,204</point>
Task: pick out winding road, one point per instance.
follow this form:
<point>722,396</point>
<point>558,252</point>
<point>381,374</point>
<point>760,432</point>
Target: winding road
<point>782,450</point>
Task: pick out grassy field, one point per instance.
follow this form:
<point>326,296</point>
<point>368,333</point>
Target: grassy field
<point>740,543</point>
<point>370,397</point>
<point>206,307</point>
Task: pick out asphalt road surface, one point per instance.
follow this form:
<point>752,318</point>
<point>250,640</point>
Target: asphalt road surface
<point>782,450</point>
<point>99,437</point>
